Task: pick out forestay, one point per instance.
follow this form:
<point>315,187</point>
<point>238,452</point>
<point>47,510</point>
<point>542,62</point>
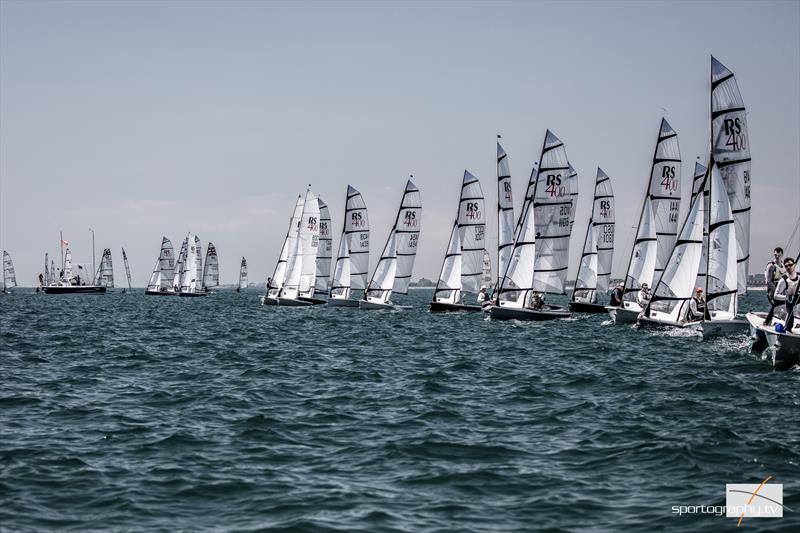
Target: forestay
<point>279,274</point>
<point>505,214</point>
<point>323,272</point>
<point>211,268</point>
<point>730,146</point>
<point>552,211</point>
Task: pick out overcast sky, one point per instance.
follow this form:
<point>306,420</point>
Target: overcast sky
<point>145,119</point>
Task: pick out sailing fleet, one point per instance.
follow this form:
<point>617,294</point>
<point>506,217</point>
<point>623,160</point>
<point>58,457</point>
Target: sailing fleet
<point>672,259</point>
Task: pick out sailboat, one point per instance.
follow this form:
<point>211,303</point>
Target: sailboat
<point>505,214</point>
<point>657,227</point>
<point>275,283</point>
<point>594,272</point>
<point>242,275</point>
<point>105,274</point>
<point>352,261</point>
<point>9,275</point>
<point>192,272</point>
<point>546,214</point>
<point>462,267</point>
<point>323,262</point>
<point>68,282</point>
<point>301,266</point>
<point>210,269</point>
<point>127,269</point>
<point>394,268</point>
<point>162,280</point>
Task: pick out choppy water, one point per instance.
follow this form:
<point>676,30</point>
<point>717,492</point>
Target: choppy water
<point>129,412</point>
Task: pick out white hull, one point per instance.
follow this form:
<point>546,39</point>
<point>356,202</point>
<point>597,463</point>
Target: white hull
<point>366,304</point>
<point>723,328</point>
<point>269,300</point>
<point>623,315</point>
<point>786,350</point>
<point>292,302</point>
<point>548,312</point>
<point>760,338</point>
<point>342,302</point>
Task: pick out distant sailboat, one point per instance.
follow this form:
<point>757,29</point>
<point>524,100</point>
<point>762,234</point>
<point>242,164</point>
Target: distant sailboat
<point>658,223</point>
<point>275,283</point>
<point>323,262</point>
<point>242,275</point>
<point>352,261</point>
<point>301,266</point>
<point>594,272</point>
<point>211,269</point>
<point>9,275</point>
<point>394,268</point>
<point>105,274</point>
<point>462,267</point>
<point>127,268</point>
<point>162,281</point>
<point>192,274</point>
<point>549,201</point>
<point>177,277</point>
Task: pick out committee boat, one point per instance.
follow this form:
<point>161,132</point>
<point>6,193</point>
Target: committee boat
<point>352,261</point>
<point>393,271</point>
<point>463,265</point>
<point>594,271</point>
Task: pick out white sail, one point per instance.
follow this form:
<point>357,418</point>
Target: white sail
<point>127,268</point>
<point>52,271</point>
<point>340,285</point>
<point>324,250</point>
<point>67,274</point>
<point>486,277</point>
<point>665,192</point>
<point>211,268</point>
<point>448,288</point>
<point>9,274</point>
<point>552,210</point>
<point>642,265</point>
<point>301,266</point>
<point>46,267</point>
<point>505,214</point>
<point>243,274</point>
<point>380,286</point>
<point>191,276</point>
<point>730,146</point>
<point>670,302</point>
<point>697,188</point>
<point>517,280</point>
<point>289,244</point>
<point>603,222</point>
<point>352,261</point>
<point>163,276</point>
<point>407,226</point>
<point>105,274</point>
<point>721,281</point>
<point>177,278</point>
<point>586,281</point>
<point>472,229</point>
<point>199,266</point>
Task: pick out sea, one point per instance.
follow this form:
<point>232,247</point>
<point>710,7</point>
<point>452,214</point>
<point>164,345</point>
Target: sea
<point>128,412</point>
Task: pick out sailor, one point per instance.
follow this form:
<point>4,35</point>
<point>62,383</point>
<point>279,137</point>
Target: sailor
<point>774,272</point>
<point>482,296</point>
<point>616,295</point>
<point>697,306</point>
<point>537,300</point>
<point>787,286</point>
<point>644,295</point>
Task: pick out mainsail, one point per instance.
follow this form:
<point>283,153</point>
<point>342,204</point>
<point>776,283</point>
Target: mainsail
<point>191,276</point>
<point>721,280</point>
<point>46,274</point>
<point>697,188</point>
<point>517,279</point>
<point>243,274</point>
<point>301,265</point>
<point>67,274</point>
<point>9,275</point>
<point>127,268</point>
<point>552,211</point>
<point>52,271</point>
<point>380,286</point>
<point>162,278</point>
<point>177,278</point>
<point>352,261</point>
<point>105,274</point>
<point>730,146</point>
<point>324,250</point>
<point>505,214</point>
<point>211,268</point>
<point>665,192</point>
<point>448,288</point>
<point>594,272</point>
<point>279,274</point>
<point>407,226</point>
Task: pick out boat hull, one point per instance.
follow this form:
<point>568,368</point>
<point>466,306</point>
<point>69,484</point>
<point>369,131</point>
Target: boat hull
<point>366,304</point>
<point>723,328</point>
<point>786,351</point>
<point>661,325</point>
<point>192,294</point>
<point>758,336</point>
<point>342,302</point>
<point>515,313</point>
<point>74,289</point>
<point>311,301</point>
<point>160,293</point>
<point>437,307</point>
<point>583,307</point>
<point>623,315</point>
<point>292,302</point>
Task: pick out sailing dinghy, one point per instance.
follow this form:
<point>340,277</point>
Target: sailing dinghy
<point>394,268</point>
<point>546,214</point>
<point>352,261</point>
<point>105,274</point>
<point>9,274</point>
<point>242,276</point>
<point>192,272</point>
<point>657,227</point>
<point>594,272</point>
<point>275,283</point>
<point>462,268</point>
<point>301,266</point>
<point>210,269</point>
<point>127,269</point>
<point>162,278</point>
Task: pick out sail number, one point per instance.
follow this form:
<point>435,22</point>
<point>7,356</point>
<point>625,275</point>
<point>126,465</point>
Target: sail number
<point>312,223</point>
<point>607,235</point>
<point>668,180</point>
<point>412,240</point>
<point>410,219</point>
<point>554,187</point>
<point>733,129</point>
<point>357,219</point>
<point>674,207</point>
<point>472,210</point>
<point>479,231</point>
<point>746,179</point>
<point>363,240</point>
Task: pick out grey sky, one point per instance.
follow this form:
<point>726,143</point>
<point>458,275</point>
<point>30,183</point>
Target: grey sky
<point>142,119</point>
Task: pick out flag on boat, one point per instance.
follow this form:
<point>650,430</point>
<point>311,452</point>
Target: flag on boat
<point>65,243</point>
